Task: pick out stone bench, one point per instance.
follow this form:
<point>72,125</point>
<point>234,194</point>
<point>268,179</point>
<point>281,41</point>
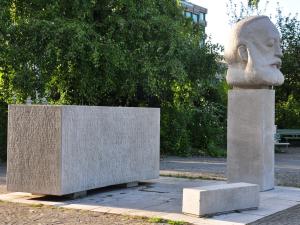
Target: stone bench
<point>215,199</point>
<point>279,145</point>
<point>60,150</point>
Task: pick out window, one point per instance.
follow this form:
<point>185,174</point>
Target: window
<point>188,14</point>
<point>195,18</point>
<point>202,17</point>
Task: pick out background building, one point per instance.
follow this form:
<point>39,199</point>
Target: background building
<point>196,12</point>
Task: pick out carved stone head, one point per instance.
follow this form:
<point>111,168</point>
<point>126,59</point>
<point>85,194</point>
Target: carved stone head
<point>253,54</point>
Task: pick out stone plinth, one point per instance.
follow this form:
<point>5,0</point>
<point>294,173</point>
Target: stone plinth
<point>58,150</point>
<point>209,200</point>
<point>250,137</point>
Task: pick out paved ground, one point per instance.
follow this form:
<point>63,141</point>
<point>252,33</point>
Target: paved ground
<point>286,217</point>
<point>287,167</point>
<point>287,173</point>
<point>162,198</point>
<point>2,178</point>
<point>16,213</point>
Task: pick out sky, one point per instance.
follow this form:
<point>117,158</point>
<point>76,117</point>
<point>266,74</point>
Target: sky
<point>217,19</point>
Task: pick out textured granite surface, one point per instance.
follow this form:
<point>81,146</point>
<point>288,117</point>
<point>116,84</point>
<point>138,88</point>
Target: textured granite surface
<point>59,150</point>
<point>108,145</point>
<point>250,137</point>
<point>34,149</point>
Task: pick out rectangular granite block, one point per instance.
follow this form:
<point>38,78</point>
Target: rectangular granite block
<point>214,199</point>
<point>59,150</point>
<point>250,137</point>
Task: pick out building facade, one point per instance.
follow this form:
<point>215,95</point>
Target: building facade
<point>196,12</point>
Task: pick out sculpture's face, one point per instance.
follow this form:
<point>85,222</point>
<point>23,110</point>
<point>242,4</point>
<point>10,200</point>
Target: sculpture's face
<point>254,54</point>
<point>264,55</point>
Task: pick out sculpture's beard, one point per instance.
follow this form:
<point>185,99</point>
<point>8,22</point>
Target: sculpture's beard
<point>256,73</point>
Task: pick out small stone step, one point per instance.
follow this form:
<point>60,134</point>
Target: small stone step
<point>223,198</point>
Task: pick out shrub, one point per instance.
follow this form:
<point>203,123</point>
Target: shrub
<point>288,113</point>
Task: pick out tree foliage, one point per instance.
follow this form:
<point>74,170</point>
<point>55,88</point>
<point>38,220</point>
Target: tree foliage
<point>253,3</point>
<point>116,53</point>
<point>288,95</point>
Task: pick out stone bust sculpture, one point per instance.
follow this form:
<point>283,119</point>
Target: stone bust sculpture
<point>253,54</point>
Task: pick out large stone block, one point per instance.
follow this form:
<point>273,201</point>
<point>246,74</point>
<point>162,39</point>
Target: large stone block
<point>222,198</point>
<point>250,137</point>
<point>58,150</point>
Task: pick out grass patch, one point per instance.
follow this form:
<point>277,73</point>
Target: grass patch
<point>36,205</point>
<point>156,220</point>
<point>171,222</point>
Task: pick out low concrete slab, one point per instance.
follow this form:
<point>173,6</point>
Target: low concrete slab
<point>221,198</point>
<point>162,198</point>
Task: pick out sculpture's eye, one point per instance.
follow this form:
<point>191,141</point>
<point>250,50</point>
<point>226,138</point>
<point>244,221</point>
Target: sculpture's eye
<point>271,43</point>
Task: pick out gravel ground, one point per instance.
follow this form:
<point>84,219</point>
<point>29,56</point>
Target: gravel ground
<point>11,213</point>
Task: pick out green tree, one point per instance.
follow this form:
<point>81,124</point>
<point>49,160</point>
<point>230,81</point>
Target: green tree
<point>253,3</point>
<point>117,53</point>
<point>288,95</point>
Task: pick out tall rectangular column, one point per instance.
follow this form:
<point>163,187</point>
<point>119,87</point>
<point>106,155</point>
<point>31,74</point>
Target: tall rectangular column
<point>250,137</point>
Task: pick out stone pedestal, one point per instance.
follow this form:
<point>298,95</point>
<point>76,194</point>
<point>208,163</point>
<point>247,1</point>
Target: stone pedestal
<point>59,150</point>
<point>250,137</point>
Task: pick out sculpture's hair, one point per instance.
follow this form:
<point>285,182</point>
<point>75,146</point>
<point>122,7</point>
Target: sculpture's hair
<point>239,36</point>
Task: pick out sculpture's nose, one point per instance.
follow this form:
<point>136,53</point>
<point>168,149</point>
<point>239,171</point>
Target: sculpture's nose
<point>278,52</point>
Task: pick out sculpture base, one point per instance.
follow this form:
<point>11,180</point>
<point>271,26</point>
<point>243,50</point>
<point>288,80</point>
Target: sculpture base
<point>250,137</point>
